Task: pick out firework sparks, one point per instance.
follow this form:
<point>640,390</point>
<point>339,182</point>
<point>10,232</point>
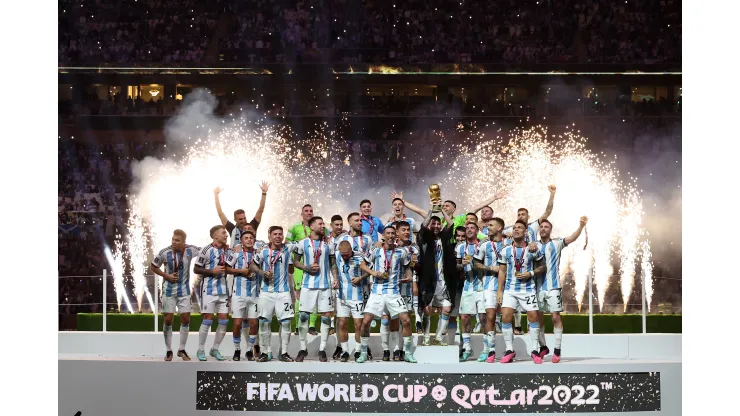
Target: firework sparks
<point>320,169</point>
<point>647,271</point>
<point>117,269</point>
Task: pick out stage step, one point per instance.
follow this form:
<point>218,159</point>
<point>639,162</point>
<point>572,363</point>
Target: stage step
<point>433,354</point>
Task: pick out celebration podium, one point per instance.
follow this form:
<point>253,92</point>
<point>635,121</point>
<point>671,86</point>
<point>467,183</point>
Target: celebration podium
<point>124,373</point>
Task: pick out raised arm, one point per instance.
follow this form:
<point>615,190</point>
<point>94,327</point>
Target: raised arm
<point>573,237</point>
<point>550,202</point>
<point>220,211</point>
<point>408,204</point>
<point>264,187</point>
<point>489,201</point>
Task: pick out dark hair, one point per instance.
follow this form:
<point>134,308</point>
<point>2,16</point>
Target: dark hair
<point>390,227</point>
<point>471,222</point>
<point>546,221</point>
<point>238,212</point>
<point>180,233</point>
<point>434,218</point>
<point>522,222</point>
<point>307,205</point>
<point>499,220</point>
<point>366,200</point>
<point>313,220</point>
<point>397,199</point>
<point>216,228</point>
<point>247,233</point>
<point>398,224</point>
<point>523,209</point>
<point>459,229</point>
<point>274,228</point>
<point>336,218</point>
<point>353,214</point>
<point>473,214</point>
<point>452,202</point>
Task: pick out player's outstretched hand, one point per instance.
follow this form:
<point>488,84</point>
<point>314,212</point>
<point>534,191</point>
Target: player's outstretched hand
<point>264,186</point>
<point>394,194</point>
<point>552,188</point>
<point>584,221</point>
<point>217,190</point>
<point>533,247</point>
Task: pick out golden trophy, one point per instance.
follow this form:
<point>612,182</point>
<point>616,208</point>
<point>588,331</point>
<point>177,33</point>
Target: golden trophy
<point>435,197</point>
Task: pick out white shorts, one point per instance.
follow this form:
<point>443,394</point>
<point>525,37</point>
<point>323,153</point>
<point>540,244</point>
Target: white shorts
<point>347,308</point>
<point>244,307</point>
<point>550,300</point>
<point>490,297</point>
<point>527,301</point>
<point>441,296</point>
<point>380,304</point>
<point>214,304</point>
<point>281,305</point>
<point>318,299</point>
<point>179,304</point>
<point>472,303</point>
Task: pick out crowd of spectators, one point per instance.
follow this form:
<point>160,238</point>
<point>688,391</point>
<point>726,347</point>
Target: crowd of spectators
<point>312,103</point>
<point>369,31</point>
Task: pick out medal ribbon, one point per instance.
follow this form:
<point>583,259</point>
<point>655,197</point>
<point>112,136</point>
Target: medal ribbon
<point>178,264</point>
<point>316,252</point>
<point>388,260</point>
<point>518,263</point>
<point>273,260</point>
<point>372,224</point>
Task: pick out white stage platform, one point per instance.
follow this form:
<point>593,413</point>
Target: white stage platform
<point>118,373</point>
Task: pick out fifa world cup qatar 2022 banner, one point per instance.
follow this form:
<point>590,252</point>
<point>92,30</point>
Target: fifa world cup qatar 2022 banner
<point>428,393</point>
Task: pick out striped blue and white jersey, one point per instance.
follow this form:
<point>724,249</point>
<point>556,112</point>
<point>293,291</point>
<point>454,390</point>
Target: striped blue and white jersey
<point>551,252</point>
<point>489,253</point>
<point>412,223</point>
<point>533,231</point>
<point>473,281</point>
<point>177,263</point>
<point>392,262</point>
<point>512,284</point>
<point>360,244</point>
<point>278,262</point>
<point>208,258</point>
<point>348,270</point>
<point>316,252</point>
<point>244,285</point>
<point>407,289</point>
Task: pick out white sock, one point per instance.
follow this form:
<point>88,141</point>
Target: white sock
<point>508,336</point>
<point>363,344</point>
<point>394,340</point>
<point>427,327</point>
<point>534,334</point>
<point>167,329</point>
<point>325,326</point>
<point>444,321</point>
<point>264,335</point>
<point>205,328</point>
<point>491,340</point>
<point>303,334</point>
<point>407,342</point>
<point>184,331</point>
<point>345,346</point>
<point>251,339</point>
<point>558,336</point>
<point>466,342</point>
<point>384,334</point>
<point>415,304</point>
<point>285,335</point>
<point>220,333</point>
<point>542,340</point>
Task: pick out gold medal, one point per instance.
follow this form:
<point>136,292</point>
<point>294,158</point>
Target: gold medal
<point>385,275</point>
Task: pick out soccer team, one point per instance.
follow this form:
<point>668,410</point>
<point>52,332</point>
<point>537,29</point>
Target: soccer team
<point>448,265</point>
